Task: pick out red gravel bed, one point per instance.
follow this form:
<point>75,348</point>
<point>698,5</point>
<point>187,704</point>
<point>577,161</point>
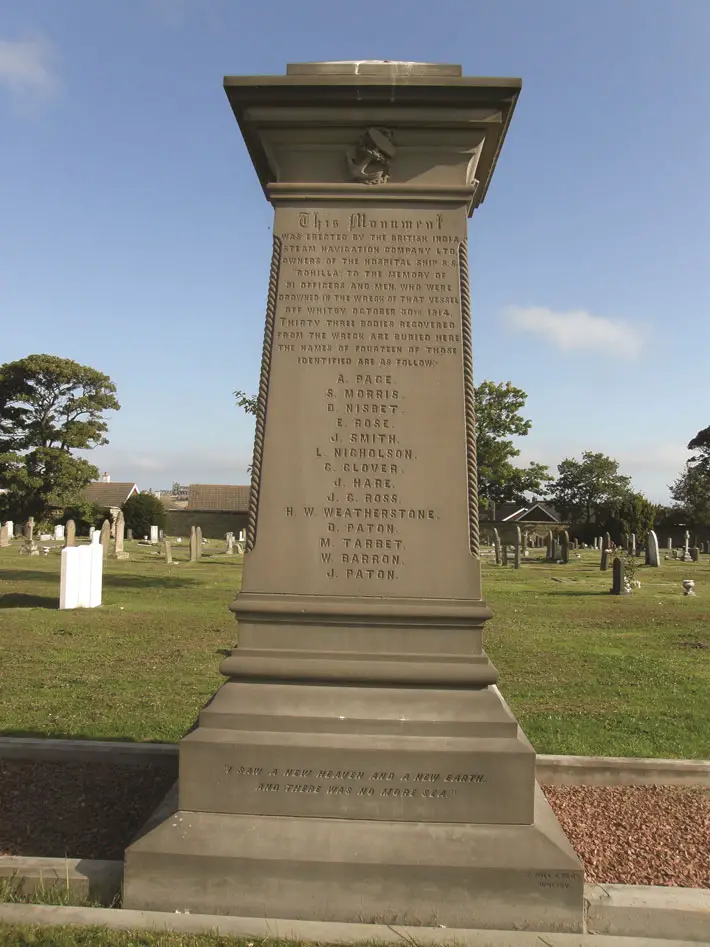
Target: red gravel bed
<point>637,835</point>
<point>651,835</point>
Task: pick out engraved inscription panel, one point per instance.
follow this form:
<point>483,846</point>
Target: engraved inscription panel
<point>364,468</point>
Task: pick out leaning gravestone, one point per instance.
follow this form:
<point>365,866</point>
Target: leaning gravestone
<point>359,763</point>
<point>497,547</point>
<point>105,537</point>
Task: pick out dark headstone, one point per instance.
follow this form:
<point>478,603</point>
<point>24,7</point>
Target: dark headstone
<point>619,584</point>
<point>604,563</point>
<point>358,763</point>
<point>564,546</point>
<point>694,553</point>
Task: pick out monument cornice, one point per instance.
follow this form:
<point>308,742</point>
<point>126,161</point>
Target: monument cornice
<point>297,192</point>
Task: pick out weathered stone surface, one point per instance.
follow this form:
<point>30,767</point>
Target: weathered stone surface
<point>410,796</point>
<point>652,556</point>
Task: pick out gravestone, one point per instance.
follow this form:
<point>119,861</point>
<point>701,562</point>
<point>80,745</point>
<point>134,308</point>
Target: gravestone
<point>29,546</point>
<point>119,530</point>
<point>604,561</point>
<point>505,554</point>
<point>526,541</point>
<point>626,542</point>
<point>242,535</point>
<point>607,541</point>
<point>229,551</point>
<point>694,552</point>
<point>92,530</point>
<point>497,548</point>
<point>199,541</point>
<point>652,556</point>
<point>105,535</point>
<point>549,546</point>
<point>194,554</point>
<point>70,534</point>
<point>632,549</point>
<point>564,546</point>
<point>359,763</point>
<point>81,575</point>
<point>670,544</point>
<point>596,543</point>
<point>154,535</point>
<point>619,584</point>
<point>4,535</point>
<point>10,529</point>
<point>168,552</point>
<point>129,534</point>
<point>516,548</point>
<point>58,534</point>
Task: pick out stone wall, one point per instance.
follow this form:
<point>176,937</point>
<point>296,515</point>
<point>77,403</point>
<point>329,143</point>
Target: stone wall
<point>213,524</point>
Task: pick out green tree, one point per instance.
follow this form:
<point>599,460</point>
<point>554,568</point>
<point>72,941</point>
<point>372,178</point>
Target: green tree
<point>589,490</point>
<point>498,418</point>
<point>141,511</point>
<point>246,402</point>
<point>637,514</point>
<point>49,407</point>
<point>691,491</point>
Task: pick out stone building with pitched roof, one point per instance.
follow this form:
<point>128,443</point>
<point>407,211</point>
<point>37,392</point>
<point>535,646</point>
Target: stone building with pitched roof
<point>216,508</point>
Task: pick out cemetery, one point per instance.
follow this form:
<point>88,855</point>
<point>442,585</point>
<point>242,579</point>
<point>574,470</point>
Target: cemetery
<point>427,725</point>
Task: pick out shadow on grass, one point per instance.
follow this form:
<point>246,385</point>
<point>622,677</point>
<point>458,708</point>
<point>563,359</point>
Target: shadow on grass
<point>20,600</point>
<point>110,580</point>
<point>63,735</point>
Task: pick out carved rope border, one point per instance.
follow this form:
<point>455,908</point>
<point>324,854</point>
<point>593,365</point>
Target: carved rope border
<point>469,401</point>
<point>263,395</point>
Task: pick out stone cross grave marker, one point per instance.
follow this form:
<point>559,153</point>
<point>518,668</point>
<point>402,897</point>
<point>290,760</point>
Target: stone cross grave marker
<point>413,797</point>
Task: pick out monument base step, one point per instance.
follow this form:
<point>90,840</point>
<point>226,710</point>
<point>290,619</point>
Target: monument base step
<point>501,877</point>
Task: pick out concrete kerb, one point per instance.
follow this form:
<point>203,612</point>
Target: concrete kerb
<point>551,770</point>
<point>315,931</point>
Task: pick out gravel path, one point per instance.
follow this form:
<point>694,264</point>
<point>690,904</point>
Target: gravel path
<point>624,835</point>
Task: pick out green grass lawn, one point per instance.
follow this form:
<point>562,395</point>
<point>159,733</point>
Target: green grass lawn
<point>586,672</point>
<point>17,935</point>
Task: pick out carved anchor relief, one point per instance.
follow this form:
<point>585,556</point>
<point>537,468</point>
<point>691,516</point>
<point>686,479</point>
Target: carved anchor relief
<point>369,160</point>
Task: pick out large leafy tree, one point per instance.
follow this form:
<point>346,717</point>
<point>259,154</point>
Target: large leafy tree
<point>591,489</point>
<point>691,491</point>
<point>143,510</point>
<point>637,514</point>
<point>49,407</point>
<point>498,418</point>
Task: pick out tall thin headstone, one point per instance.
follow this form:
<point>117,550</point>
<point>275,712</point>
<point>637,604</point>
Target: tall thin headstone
<point>632,549</point>
<point>105,535</point>
<point>194,554</point>
<point>10,529</point>
<point>564,546</point>
<point>516,548</point>
<point>168,552</point>
<point>652,556</point>
<point>119,530</point>
<point>304,798</point>
<point>604,561</point>
<point>229,550</point>
<point>198,539</point>
<point>154,535</point>
<point>607,541</point>
<point>497,547</point>
<point>4,535</point>
<point>70,534</point>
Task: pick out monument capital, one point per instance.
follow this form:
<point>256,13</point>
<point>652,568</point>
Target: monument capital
<point>371,123</point>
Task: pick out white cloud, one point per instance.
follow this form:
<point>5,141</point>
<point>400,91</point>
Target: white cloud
<point>577,329</point>
<point>27,67</point>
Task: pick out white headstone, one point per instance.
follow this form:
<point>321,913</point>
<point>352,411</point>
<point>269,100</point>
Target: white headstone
<point>242,535</point>
<point>81,577</point>
<point>10,529</point>
<point>92,530</point>
<point>154,534</point>
<point>59,533</point>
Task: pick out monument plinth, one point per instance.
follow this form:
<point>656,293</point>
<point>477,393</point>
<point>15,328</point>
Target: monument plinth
<point>359,763</point>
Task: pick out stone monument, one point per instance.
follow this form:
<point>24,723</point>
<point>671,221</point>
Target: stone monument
<point>119,532</point>
<point>359,763</point>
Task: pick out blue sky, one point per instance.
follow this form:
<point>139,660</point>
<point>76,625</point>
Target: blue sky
<point>134,236</point>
